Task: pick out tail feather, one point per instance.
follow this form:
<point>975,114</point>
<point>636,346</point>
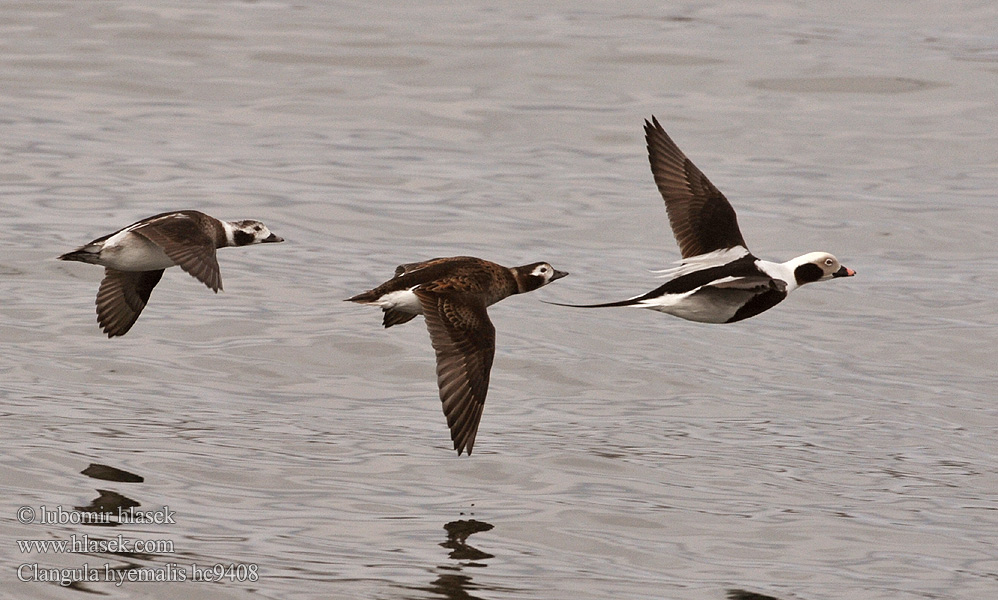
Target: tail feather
<point>628,302</point>
<point>84,254</point>
<point>362,298</point>
<point>393,316</point>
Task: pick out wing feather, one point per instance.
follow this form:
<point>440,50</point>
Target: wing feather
<point>463,338</point>
<point>184,240</point>
<point>122,296</point>
<point>701,218</point>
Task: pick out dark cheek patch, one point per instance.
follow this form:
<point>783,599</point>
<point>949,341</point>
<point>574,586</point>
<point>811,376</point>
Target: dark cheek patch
<point>808,273</point>
<point>242,238</point>
<point>532,282</point>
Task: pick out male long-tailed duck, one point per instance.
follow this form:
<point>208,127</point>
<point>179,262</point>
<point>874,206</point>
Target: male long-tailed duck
<point>719,280</point>
<point>452,294</point>
<point>135,257</point>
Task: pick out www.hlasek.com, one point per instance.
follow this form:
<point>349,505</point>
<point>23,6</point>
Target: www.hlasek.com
<point>84,543</point>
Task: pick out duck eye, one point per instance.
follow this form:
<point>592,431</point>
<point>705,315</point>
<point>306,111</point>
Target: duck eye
<point>829,262</point>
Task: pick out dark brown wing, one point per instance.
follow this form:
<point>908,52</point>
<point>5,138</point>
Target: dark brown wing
<point>465,342</point>
<point>701,217</point>
<point>436,269</point>
<point>184,240</point>
<point>410,267</point>
<point>452,271</point>
<point>396,317</point>
<point>122,296</point>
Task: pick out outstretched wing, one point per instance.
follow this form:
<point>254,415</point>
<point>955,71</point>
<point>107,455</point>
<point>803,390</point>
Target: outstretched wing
<point>122,296</point>
<point>184,240</point>
<point>701,217</point>
<point>465,343</point>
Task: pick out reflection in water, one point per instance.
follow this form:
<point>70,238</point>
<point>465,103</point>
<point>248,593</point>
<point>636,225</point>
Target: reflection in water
<point>453,586</point>
<point>451,583</point>
<point>108,503</point>
<point>747,595</point>
<point>111,474</point>
<point>457,534</point>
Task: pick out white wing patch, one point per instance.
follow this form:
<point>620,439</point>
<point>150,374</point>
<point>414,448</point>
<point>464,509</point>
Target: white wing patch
<point>717,258</point>
<point>723,280</point>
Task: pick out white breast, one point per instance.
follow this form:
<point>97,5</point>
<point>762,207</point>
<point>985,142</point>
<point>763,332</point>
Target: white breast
<point>692,307</point>
<point>127,251</point>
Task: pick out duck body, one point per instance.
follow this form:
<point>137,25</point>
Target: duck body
<point>453,294</point>
<point>135,257</point>
<point>719,280</point>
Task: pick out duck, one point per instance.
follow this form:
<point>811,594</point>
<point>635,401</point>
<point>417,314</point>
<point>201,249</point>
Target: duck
<point>134,258</point>
<point>719,280</point>
<point>452,294</point>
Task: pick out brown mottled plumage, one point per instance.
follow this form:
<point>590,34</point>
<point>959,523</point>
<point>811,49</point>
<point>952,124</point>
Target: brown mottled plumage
<point>453,294</point>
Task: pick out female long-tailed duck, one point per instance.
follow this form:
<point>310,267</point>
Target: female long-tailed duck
<point>719,280</point>
<point>135,257</point>
<point>452,294</point>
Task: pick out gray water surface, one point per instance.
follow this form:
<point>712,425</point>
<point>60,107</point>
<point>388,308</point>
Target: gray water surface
<point>840,446</point>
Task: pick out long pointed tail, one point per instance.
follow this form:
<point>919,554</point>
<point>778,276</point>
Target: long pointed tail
<point>628,302</point>
<point>84,254</point>
<point>367,297</point>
